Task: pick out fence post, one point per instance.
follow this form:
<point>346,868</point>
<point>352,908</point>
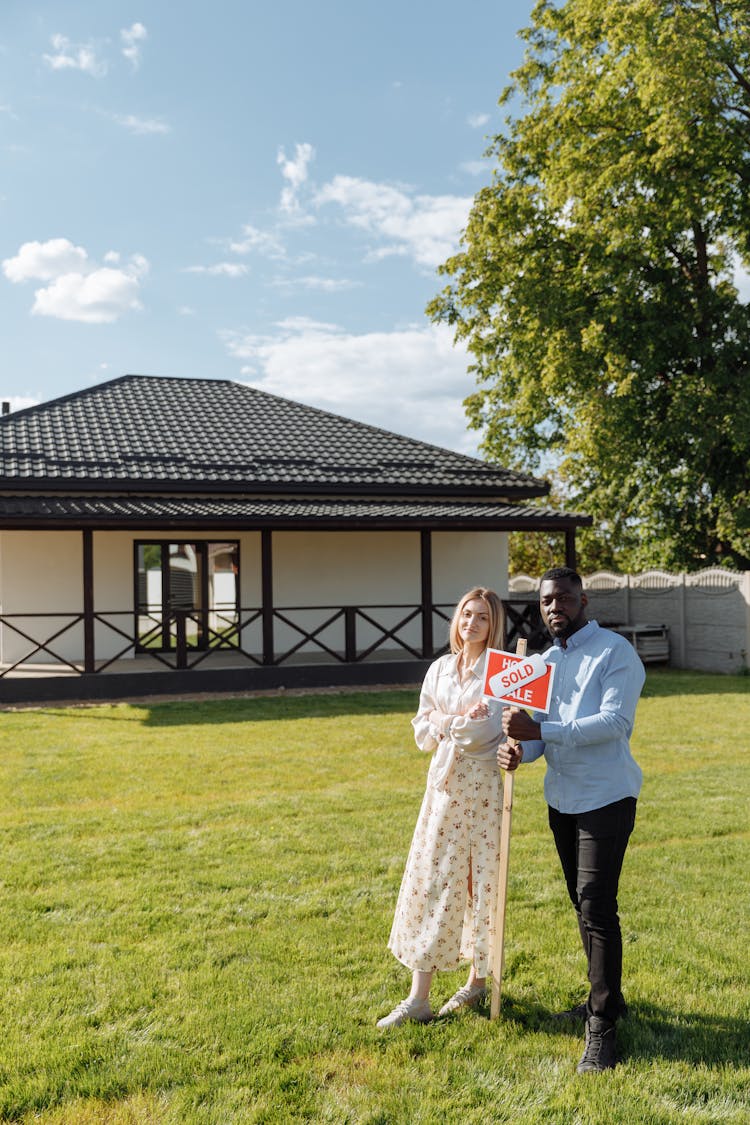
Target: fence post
<point>180,616</point>
<point>683,620</point>
<point>745,588</point>
<point>350,633</point>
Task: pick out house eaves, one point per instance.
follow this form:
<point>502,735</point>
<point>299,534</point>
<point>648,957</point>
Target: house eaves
<point>119,512</point>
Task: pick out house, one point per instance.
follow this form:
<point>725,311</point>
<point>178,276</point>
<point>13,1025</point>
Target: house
<point>216,537</point>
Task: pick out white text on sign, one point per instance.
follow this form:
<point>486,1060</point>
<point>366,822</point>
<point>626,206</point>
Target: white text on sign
<point>521,681</point>
<point>513,676</point>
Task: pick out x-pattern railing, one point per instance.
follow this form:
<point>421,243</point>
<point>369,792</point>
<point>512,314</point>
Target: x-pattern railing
<point>350,615</point>
<point>219,631</point>
<point>40,646</point>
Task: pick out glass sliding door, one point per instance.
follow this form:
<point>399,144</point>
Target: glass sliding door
<point>185,592</point>
<point>186,584</point>
<point>149,597</point>
<point>223,592</point>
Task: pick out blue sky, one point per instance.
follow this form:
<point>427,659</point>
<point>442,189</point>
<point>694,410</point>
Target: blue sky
<point>258,192</point>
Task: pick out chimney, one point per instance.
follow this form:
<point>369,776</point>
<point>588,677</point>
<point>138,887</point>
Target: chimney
<point>6,408</point>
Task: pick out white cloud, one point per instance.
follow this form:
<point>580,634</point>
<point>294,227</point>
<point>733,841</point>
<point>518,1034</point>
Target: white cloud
<point>220,269</point>
<point>257,240</point>
<point>411,380</point>
<point>131,38</point>
<point>142,126</point>
<point>426,227</point>
<point>477,120</point>
<point>78,289</point>
<point>95,298</point>
<point>295,171</point>
<point>321,284</point>
<point>75,56</point>
<point>43,261</point>
<point>474,167</point>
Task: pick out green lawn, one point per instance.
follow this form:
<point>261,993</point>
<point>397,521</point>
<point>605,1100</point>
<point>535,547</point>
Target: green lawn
<point>196,899</point>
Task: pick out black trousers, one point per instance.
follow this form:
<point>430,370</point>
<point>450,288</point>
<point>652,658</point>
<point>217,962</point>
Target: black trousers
<point>591,847</point>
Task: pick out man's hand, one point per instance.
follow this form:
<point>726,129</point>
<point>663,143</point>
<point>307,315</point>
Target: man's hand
<point>509,757</point>
<point>517,724</point>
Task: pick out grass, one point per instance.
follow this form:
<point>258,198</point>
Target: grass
<point>196,899</point>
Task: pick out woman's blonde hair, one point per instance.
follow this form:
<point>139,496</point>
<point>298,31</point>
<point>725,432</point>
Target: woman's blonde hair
<point>496,635</point>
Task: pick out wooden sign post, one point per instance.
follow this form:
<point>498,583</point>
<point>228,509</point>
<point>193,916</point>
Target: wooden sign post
<point>497,960</point>
<point>518,681</point>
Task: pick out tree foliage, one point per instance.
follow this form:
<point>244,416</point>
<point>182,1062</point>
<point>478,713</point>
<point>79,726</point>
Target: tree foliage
<point>596,287</point>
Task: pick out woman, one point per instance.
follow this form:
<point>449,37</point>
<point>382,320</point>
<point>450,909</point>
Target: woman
<point>446,905</point>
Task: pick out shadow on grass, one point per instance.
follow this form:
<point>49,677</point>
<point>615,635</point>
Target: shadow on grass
<point>650,1032</point>
<point>257,710</point>
<point>660,683</point>
<point>287,708</point>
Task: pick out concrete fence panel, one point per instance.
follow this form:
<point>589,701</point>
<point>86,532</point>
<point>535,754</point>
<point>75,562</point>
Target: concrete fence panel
<point>707,613</point>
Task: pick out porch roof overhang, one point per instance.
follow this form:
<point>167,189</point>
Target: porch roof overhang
<point>201,513</point>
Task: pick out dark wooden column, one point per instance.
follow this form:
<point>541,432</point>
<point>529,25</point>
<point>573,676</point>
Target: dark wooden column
<point>88,600</point>
<point>266,574</point>
<point>426,553</point>
<point>570,548</point>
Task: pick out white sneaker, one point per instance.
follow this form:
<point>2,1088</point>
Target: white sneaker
<point>466,997</point>
<point>409,1009</point>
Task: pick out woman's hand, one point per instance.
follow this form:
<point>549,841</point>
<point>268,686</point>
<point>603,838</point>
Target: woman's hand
<point>479,711</point>
<point>439,719</point>
<point>509,755</point>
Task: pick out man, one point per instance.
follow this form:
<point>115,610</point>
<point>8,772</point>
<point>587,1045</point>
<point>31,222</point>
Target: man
<point>591,786</point>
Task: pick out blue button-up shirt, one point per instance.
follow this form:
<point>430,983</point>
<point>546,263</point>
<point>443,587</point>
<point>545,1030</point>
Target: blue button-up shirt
<point>585,737</point>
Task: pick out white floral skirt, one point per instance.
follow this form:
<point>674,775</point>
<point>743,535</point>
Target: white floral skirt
<point>437,923</point>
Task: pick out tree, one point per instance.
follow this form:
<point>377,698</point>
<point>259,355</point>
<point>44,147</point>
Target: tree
<point>596,289</point>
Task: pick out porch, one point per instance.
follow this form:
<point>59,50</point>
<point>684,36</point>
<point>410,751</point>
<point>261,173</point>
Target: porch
<point>237,649</point>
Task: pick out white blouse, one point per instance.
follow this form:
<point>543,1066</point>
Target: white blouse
<point>443,691</point>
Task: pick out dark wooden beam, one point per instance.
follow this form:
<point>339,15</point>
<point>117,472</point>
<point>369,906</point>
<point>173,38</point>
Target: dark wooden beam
<point>266,576</point>
<point>570,548</point>
<point>88,600</point>
<point>428,646</point>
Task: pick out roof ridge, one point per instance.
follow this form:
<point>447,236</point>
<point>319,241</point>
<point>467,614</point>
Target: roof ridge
<point>83,392</point>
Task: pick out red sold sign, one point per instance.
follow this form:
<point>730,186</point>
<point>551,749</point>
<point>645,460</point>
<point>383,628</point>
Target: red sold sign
<point>523,681</point>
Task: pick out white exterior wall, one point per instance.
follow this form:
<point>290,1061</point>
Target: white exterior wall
<point>462,559</point>
<point>372,568</point>
<point>353,568</point>
<point>42,571</point>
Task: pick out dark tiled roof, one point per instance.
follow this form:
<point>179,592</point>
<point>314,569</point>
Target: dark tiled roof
<point>142,433</point>
<point>249,512</point>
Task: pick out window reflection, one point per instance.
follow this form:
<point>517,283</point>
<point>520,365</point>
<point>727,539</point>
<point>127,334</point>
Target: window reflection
<point>192,582</point>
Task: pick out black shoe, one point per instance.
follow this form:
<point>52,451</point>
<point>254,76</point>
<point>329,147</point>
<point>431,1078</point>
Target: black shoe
<point>601,1047</point>
<point>577,1013</point>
